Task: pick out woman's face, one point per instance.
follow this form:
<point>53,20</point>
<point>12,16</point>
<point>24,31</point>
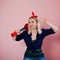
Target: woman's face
<point>32,23</point>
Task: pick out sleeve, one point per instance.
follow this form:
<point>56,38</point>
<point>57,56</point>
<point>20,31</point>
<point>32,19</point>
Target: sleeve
<point>48,31</point>
<point>20,37</point>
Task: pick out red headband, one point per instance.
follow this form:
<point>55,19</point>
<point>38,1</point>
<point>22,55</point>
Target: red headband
<point>33,15</point>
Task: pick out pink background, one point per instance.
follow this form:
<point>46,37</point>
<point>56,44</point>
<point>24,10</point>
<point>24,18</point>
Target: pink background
<point>14,14</point>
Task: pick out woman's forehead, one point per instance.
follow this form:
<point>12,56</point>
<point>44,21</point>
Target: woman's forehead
<point>31,19</point>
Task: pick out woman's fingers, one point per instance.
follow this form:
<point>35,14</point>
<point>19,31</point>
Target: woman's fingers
<point>18,31</point>
<point>44,20</point>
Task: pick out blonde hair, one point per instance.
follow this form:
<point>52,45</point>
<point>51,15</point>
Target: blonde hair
<point>38,27</point>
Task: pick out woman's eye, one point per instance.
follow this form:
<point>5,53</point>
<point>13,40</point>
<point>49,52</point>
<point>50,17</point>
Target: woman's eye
<point>28,22</point>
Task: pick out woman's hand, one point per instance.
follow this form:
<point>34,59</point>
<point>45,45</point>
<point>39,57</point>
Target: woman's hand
<point>44,20</point>
<point>17,31</point>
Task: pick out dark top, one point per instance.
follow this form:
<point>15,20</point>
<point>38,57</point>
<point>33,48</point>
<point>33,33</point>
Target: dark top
<point>36,45</point>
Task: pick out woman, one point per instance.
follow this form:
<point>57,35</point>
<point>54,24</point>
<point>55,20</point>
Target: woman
<point>34,38</point>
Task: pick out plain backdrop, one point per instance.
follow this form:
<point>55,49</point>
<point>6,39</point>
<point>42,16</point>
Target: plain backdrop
<point>14,14</point>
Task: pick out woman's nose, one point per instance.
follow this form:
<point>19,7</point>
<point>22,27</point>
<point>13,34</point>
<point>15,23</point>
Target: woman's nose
<point>30,23</point>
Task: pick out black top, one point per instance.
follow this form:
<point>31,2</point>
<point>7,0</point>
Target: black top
<point>38,42</point>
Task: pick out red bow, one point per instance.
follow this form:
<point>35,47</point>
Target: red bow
<point>33,15</point>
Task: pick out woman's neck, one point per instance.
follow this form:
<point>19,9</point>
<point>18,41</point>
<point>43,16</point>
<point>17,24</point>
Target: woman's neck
<point>34,31</point>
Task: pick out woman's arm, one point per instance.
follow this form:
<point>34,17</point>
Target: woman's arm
<point>18,34</point>
<point>15,33</point>
<point>50,25</point>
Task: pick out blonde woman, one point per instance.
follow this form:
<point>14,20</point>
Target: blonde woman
<point>34,38</point>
